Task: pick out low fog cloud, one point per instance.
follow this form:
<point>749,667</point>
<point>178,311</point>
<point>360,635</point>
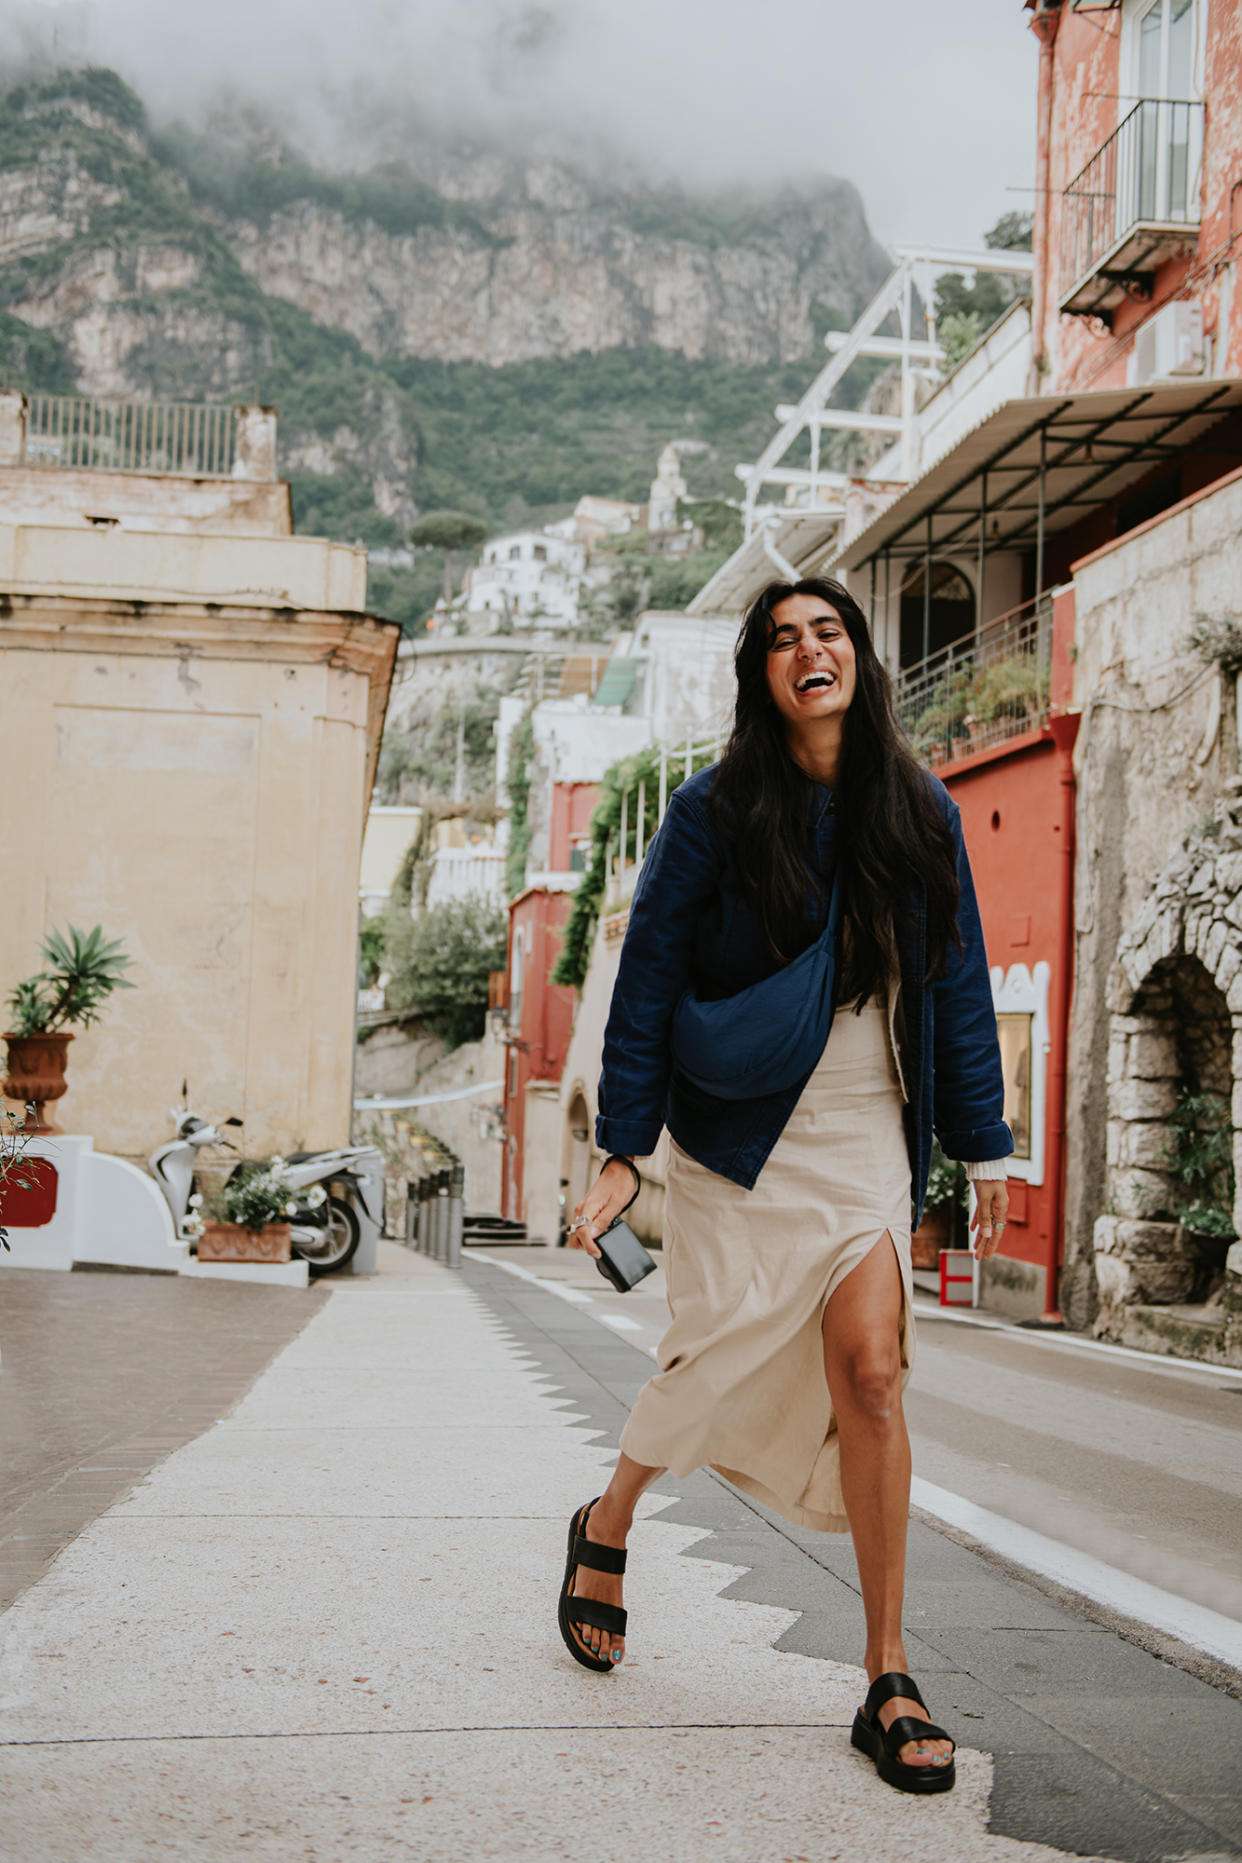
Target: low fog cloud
<point>930,110</point>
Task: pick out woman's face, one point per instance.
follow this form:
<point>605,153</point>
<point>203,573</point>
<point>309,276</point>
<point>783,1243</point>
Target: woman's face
<point>810,664</point>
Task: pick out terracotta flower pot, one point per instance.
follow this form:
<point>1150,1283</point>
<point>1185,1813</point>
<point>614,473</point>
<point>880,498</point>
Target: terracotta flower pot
<point>934,1233</point>
<point>36,1067</point>
<point>230,1242</point>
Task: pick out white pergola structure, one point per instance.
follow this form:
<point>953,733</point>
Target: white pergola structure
<point>812,523</point>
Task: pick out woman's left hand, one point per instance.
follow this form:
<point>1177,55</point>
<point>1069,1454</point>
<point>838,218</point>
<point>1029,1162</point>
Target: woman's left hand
<point>991,1212</point>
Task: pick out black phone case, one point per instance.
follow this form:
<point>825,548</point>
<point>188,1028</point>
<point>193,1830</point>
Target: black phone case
<point>622,1258</point>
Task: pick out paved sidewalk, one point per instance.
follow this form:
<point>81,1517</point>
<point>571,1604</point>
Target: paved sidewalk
<point>325,1630</point>
<point>104,1375</point>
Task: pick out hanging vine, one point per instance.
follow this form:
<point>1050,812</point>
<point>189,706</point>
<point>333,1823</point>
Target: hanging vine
<point>521,750</point>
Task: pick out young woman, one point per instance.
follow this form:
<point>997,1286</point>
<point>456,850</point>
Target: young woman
<point>788,1211</point>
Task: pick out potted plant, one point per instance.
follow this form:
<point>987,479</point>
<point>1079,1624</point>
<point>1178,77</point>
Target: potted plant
<point>15,1135</point>
<point>946,1195</point>
<point>83,969</point>
<point>1013,687</point>
<point>1199,1158</point>
<point>247,1218</point>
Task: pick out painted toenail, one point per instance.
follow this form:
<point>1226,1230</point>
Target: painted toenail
<point>616,1655</point>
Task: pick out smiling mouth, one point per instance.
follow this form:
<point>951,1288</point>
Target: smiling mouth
<point>815,682</point>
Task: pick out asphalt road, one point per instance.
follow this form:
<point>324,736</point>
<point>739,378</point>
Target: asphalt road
<point>1130,1460</point>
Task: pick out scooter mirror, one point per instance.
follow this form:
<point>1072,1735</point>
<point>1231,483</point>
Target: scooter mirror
<point>232,1122</point>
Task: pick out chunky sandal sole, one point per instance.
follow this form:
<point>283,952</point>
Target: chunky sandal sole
<point>570,1610</point>
<point>881,1744</point>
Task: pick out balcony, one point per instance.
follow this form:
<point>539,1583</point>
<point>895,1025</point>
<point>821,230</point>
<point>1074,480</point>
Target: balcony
<point>982,690</point>
<point>1135,204</point>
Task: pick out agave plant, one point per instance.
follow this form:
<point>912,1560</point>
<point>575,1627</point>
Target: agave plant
<point>83,968</point>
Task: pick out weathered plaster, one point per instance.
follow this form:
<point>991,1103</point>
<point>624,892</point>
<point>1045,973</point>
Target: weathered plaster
<point>1150,774</point>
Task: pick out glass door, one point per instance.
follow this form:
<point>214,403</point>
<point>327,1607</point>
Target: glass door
<point>1164,65</point>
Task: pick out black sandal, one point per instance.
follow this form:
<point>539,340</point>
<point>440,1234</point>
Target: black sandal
<point>571,1610</point>
<point>882,1744</point>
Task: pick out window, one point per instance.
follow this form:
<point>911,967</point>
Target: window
<point>1016,1046</point>
<point>1160,62</point>
<point>541,553</point>
<point>1020,997</point>
<point>515,551</point>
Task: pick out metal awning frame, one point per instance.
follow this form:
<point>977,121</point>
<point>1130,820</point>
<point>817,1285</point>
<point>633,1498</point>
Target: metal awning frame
<point>916,266</point>
<point>919,538</point>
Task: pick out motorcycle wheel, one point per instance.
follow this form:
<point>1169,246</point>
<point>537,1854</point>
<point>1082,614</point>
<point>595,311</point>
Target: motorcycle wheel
<point>341,1235</point>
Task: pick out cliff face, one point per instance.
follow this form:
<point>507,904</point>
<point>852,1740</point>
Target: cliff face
<point>540,280</point>
<point>186,267</point>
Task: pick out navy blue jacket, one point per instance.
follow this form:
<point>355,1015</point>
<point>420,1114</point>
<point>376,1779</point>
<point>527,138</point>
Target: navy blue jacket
<point>690,925</point>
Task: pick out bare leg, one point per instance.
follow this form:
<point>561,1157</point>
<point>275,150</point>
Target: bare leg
<point>862,1360</point>
<point>608,1524</point>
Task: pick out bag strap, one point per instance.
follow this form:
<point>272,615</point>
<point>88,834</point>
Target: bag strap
<point>615,1157</point>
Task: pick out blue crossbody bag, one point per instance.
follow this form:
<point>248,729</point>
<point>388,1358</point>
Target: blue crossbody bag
<point>769,1036</point>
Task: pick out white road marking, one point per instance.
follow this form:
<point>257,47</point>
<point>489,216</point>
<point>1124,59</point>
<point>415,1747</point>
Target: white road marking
<point>1077,1342</point>
<point>622,1322</point>
<point>573,1294</point>
<point>1132,1597</point>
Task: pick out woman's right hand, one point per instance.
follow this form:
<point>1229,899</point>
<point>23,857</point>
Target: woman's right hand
<point>607,1197</point>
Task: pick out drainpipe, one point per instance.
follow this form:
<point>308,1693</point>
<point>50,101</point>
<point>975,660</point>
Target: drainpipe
<point>1064,728</point>
<point>1044,23</point>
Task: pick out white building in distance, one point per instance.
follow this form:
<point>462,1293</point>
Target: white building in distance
<point>668,489</point>
<point>529,577</point>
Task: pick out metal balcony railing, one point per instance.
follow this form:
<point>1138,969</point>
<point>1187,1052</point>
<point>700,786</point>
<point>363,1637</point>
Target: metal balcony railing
<point>191,439</point>
<point>981,690</point>
<point>1146,174</point>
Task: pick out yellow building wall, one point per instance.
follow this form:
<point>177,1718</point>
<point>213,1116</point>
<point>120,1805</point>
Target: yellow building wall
<point>209,812</point>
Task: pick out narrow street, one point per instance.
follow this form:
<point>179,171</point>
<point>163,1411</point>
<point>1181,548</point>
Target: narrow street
<point>1131,1460</point>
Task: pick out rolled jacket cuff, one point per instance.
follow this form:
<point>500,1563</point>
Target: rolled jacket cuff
<point>983,1143</point>
<point>626,1138</point>
<point>988,1171</point>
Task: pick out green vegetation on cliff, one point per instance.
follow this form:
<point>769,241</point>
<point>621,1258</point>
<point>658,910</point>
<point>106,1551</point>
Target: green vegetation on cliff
<point>143,234</point>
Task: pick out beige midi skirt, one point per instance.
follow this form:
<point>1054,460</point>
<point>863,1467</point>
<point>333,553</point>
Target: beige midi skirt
<point>741,1386</point>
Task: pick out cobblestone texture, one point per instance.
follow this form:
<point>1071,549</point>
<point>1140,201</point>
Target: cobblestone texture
<point>103,1375</point>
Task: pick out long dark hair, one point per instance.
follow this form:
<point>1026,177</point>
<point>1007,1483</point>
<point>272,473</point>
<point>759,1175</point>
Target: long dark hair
<point>892,838</point>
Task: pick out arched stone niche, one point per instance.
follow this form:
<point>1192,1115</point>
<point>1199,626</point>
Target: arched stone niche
<point>1175,1020</point>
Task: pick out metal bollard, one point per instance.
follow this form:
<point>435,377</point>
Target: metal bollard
<point>442,1215</point>
<point>457,1187</point>
<point>411,1213</point>
<point>424,1215</point>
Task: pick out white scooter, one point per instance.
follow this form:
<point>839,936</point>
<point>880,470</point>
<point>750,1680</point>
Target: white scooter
<point>325,1231</point>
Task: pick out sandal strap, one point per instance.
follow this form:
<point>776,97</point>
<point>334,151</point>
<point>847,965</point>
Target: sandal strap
<point>887,1688</point>
<point>907,1727</point>
<point>599,1558</point>
<point>591,1611</point>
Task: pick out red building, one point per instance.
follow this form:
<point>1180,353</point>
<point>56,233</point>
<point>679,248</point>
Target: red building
<point>1133,411</point>
<point>540,1013</point>
<point>1017,803</point>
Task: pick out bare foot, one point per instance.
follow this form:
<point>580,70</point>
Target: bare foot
<point>914,1752</point>
<point>892,1661</point>
<point>604,1587</point>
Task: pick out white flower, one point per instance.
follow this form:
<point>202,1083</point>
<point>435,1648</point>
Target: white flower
<point>196,1202</point>
<point>316,1195</point>
<point>291,1209</point>
<point>276,1164</point>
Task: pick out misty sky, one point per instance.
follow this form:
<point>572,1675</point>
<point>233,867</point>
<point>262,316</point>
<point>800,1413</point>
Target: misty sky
<point>929,108</point>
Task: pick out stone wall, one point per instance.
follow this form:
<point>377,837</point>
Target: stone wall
<point>1156,756</point>
<point>1175,1001</point>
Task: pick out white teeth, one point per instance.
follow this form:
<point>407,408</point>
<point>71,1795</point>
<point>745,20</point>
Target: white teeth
<point>811,681</point>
